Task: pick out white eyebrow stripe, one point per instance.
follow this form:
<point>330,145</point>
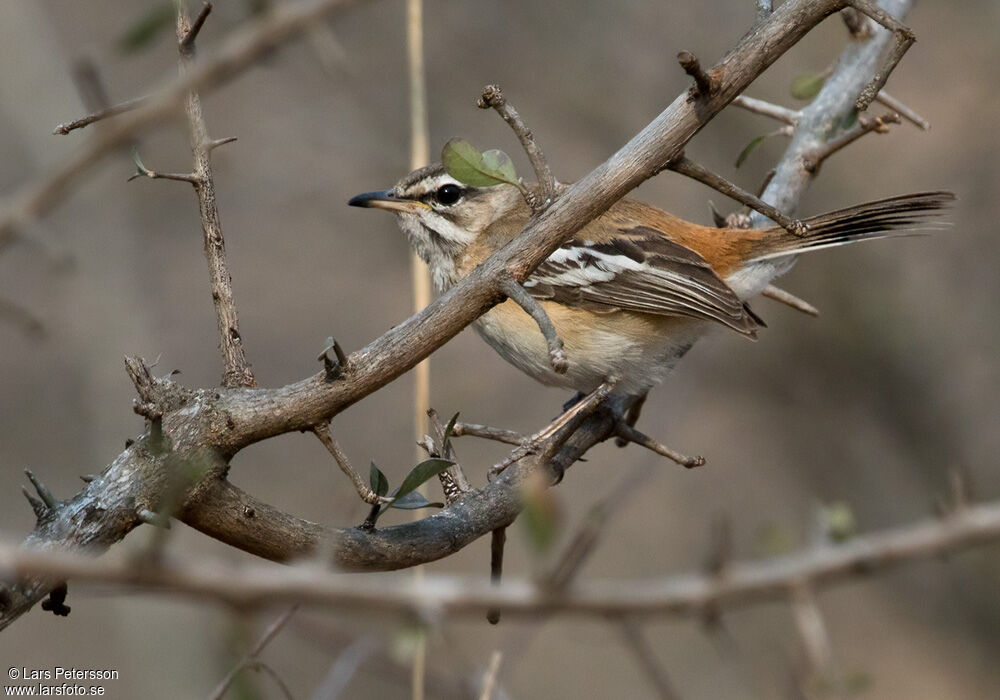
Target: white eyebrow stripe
<point>431,184</point>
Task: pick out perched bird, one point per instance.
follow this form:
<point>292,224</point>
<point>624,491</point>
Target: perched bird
<point>635,288</point>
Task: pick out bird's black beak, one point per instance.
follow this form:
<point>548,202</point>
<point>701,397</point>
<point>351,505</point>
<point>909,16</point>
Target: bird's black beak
<point>386,199</point>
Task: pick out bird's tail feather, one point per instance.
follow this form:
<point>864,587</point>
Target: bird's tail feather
<point>896,216</point>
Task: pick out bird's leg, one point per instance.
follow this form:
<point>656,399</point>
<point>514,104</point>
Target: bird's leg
<point>632,416</point>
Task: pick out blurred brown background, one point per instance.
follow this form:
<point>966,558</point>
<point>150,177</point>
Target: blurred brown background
<point>869,405</point>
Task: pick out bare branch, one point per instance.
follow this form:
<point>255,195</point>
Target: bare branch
<point>627,432</point>
<point>251,658</point>
<point>684,166</point>
<point>106,113</point>
<point>493,96</point>
<point>767,109</point>
<point>224,422</point>
<point>745,583</point>
<point>509,437</point>
<point>789,299</point>
<point>520,296</point>
<point>186,41</point>
<point>237,370</point>
<point>364,491</point>
<point>240,51</point>
<point>904,39</point>
<point>498,541</point>
<point>644,655</point>
<point>865,125</point>
<point>215,143</point>
<point>835,102</point>
<point>902,110</point>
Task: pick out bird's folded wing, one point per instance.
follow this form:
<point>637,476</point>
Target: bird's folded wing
<point>640,271</point>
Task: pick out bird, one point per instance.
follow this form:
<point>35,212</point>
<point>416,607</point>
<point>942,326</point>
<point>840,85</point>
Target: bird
<point>634,289</point>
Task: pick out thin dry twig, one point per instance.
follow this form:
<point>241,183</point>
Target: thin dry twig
<point>498,541</point>
<point>686,167</point>
<point>767,109</point>
<point>240,51</point>
<point>493,97</point>
<point>520,296</point>
<point>237,370</point>
<point>865,125</point>
<point>627,432</point>
<point>635,642</point>
<point>105,113</point>
<point>788,299</point>
<point>364,490</point>
<point>509,437</point>
<point>904,38</point>
<point>251,658</point>
<point>186,41</point>
<point>902,110</point>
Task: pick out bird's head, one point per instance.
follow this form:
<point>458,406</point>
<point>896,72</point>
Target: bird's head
<point>443,217</point>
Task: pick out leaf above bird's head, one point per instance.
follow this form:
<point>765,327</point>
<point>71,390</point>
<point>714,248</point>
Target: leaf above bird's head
<point>468,165</point>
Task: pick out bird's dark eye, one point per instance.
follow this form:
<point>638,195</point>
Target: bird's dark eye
<point>448,194</point>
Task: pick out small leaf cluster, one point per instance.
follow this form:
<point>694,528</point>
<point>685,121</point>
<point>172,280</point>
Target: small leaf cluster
<point>468,165</point>
<point>406,496</point>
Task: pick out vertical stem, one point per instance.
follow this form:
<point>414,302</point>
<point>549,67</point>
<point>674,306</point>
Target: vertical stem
<point>419,274</point>
<point>237,370</point>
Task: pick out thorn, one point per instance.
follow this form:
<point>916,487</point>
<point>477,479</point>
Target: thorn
<point>47,498</point>
<point>212,145</point>
<point>40,510</point>
<point>87,478</point>
<point>332,368</point>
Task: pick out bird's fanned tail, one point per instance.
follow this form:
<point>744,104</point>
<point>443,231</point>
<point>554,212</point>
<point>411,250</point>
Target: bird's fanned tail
<point>895,216</point>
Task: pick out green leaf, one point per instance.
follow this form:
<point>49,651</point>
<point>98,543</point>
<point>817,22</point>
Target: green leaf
<point>465,163</point>
<point>749,149</point>
<point>413,501</point>
<point>421,473</point>
<point>496,161</point>
<point>807,86</point>
<point>141,33</point>
<point>379,484</point>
